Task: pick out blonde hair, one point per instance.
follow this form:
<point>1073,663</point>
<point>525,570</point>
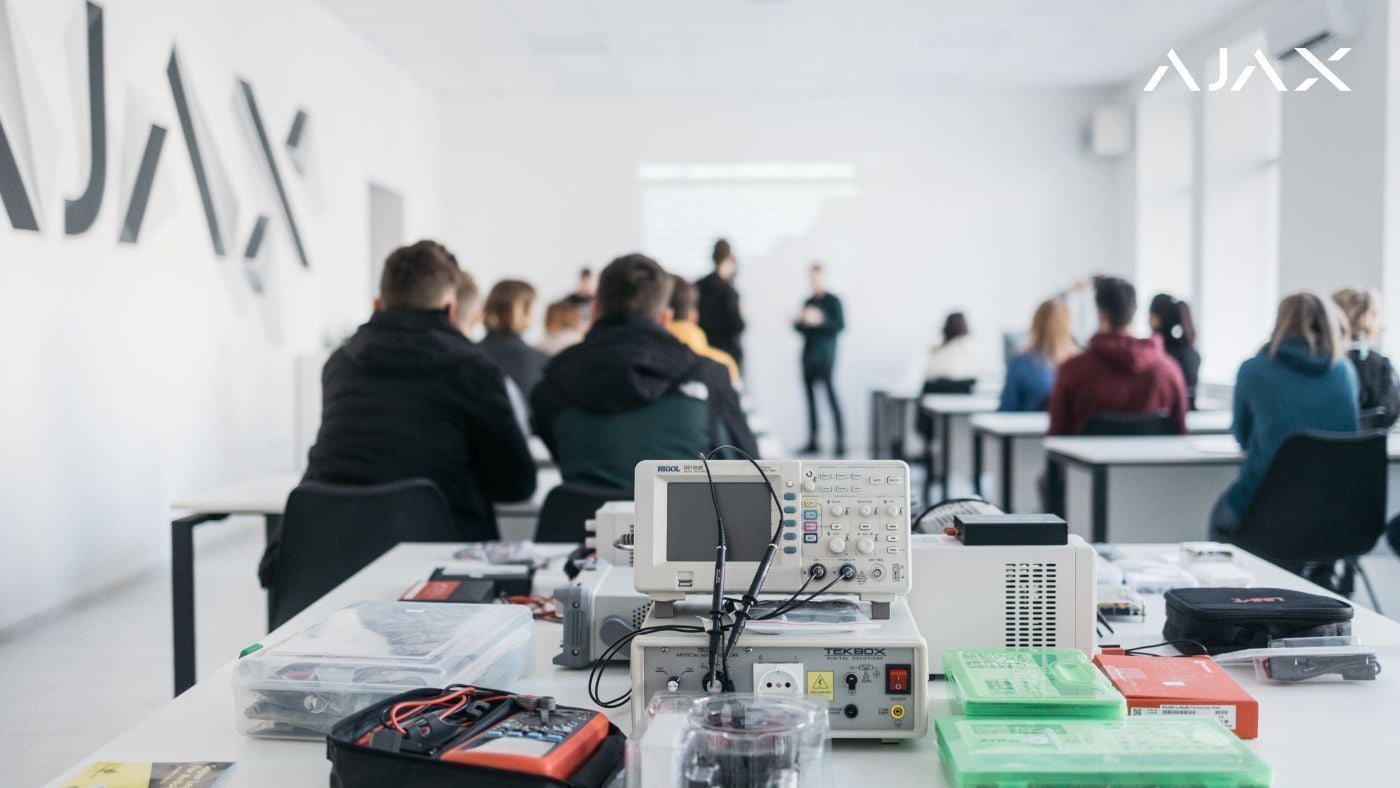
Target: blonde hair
<point>1050,336</point>
<point>1362,309</point>
<point>562,316</point>
<point>508,306</point>
<point>1314,320</point>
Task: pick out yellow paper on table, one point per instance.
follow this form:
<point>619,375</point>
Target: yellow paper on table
<point>110,774</point>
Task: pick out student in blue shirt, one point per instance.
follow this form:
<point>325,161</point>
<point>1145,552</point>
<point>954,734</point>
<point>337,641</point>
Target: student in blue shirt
<point>1302,380</point>
<point>1031,375</point>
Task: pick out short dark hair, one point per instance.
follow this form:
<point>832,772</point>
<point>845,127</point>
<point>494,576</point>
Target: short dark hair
<point>419,276</point>
<point>633,285</point>
<point>722,252</point>
<point>1116,299</point>
<point>685,297</point>
<point>585,272</point>
<point>954,326</point>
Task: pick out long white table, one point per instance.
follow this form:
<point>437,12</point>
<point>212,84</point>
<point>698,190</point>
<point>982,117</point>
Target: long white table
<point>951,413</point>
<point>1173,481</point>
<point>1316,733</point>
<point>1021,455</point>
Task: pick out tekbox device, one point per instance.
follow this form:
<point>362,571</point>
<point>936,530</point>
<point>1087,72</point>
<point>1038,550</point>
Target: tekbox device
<point>872,681</point>
<point>599,607</point>
<point>834,513</point>
<point>992,596</point>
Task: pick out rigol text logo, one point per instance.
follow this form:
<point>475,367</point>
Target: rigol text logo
<point>1261,65</point>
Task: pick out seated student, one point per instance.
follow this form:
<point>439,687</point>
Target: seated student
<point>1031,375</point>
<point>1374,372</point>
<point>955,359</point>
<point>685,298</point>
<point>1117,373</point>
<point>1299,381</point>
<point>630,391</point>
<point>1171,320</point>
<point>507,315</point>
<point>408,396</point>
<point>563,326</point>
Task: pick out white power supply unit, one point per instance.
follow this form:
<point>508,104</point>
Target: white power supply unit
<point>1002,596</point>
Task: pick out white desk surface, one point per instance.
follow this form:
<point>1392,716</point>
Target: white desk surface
<point>1315,733</point>
<point>268,495</point>
<point>1163,449</point>
<point>959,404</point>
<point>1034,424</point>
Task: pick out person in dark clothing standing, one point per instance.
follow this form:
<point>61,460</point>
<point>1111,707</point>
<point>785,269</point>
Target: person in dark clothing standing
<point>507,315</point>
<point>409,396</point>
<point>630,391</point>
<point>1171,320</point>
<point>1379,387</point>
<point>821,321</point>
<point>720,317</point>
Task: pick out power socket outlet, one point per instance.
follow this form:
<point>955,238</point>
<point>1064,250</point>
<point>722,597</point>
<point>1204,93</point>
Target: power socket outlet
<point>778,678</point>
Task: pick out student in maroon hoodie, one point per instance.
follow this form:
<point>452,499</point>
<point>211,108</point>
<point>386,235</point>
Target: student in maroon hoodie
<point>1118,373</point>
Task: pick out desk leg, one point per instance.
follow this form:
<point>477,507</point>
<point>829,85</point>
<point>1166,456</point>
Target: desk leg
<point>945,448</point>
<point>977,463</point>
<point>182,595</point>
<point>1007,468</point>
<point>1100,503</point>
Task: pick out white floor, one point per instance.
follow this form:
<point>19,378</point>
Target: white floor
<point>71,683</point>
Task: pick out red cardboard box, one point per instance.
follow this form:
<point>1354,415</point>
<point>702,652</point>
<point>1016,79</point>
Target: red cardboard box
<point>1182,686</point>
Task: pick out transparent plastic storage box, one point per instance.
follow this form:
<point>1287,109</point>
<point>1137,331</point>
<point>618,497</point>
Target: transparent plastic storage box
<point>300,687</point>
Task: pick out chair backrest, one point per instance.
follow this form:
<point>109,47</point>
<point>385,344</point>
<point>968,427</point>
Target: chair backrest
<point>949,386</point>
<point>1374,419</point>
<point>567,506</point>
<point>1113,423</point>
<point>332,531</point>
<point>1322,499</point>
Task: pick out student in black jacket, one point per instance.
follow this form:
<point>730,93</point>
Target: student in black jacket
<point>408,395</point>
<point>630,391</point>
<point>719,311</point>
<point>1379,387</point>
<point>1171,319</point>
<point>507,314</point>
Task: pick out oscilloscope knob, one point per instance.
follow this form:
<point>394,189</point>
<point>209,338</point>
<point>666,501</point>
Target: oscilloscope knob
<point>867,510</point>
<point>809,486</point>
<point>837,544</point>
<point>866,545</point>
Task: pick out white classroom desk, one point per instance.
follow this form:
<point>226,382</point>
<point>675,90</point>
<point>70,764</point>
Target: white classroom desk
<point>1315,733</point>
<point>1016,442</point>
<point>951,413</point>
<point>1162,487</point>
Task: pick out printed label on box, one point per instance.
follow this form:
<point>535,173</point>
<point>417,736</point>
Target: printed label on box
<point>1223,712</point>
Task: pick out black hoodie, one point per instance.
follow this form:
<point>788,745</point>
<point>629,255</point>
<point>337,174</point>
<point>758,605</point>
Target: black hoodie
<point>409,396</point>
<point>626,363</point>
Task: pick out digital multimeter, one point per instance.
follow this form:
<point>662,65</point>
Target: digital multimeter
<point>553,745</point>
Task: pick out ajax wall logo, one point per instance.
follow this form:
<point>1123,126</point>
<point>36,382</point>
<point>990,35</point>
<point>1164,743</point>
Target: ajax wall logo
<point>1261,64</point>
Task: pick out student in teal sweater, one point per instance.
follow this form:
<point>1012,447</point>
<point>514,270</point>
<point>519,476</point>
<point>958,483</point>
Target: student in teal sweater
<point>1300,381</point>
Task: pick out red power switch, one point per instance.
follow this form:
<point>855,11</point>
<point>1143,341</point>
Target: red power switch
<point>897,680</point>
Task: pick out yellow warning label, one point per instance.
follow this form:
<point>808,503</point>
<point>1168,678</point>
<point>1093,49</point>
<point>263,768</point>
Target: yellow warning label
<point>821,682</point>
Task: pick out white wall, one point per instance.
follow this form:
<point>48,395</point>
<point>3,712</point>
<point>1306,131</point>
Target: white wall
<point>983,202</point>
<point>134,375</point>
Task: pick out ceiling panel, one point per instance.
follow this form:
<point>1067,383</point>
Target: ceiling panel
<point>530,48</point>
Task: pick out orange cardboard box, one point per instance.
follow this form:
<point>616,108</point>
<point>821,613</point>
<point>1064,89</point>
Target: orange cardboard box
<point>1182,686</point>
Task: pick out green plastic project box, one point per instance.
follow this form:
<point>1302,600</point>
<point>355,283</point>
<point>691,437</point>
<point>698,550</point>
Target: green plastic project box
<point>1134,751</point>
<point>1052,682</point>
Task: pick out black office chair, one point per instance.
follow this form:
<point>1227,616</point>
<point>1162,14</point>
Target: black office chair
<point>1374,419</point>
<point>332,531</point>
<point>568,505</point>
<point>1321,501</point>
<point>927,426</point>
<point>1113,423</point>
